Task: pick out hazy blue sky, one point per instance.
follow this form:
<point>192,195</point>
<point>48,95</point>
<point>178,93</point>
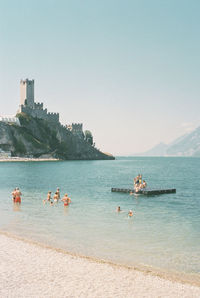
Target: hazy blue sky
<point>129,70</point>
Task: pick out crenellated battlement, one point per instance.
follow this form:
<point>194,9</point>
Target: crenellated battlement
<point>76,129</point>
<point>38,106</point>
<point>28,106</point>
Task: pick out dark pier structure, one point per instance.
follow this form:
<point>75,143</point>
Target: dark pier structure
<point>147,192</point>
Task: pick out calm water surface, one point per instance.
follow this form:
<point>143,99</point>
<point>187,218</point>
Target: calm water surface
<point>165,229</point>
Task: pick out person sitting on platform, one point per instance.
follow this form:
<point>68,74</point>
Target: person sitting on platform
<point>136,181</point>
<point>137,188</point>
<point>144,184</point>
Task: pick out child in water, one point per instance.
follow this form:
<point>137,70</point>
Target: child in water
<point>48,198</point>
<point>56,197</point>
<point>13,194</point>
<point>130,214</point>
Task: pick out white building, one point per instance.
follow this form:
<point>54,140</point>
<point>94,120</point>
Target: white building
<point>4,154</point>
<point>9,119</point>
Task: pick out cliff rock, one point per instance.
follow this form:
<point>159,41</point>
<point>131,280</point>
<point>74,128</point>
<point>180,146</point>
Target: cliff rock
<point>40,138</point>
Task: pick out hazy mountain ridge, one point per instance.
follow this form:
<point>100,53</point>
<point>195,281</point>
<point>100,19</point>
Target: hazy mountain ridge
<point>186,145</point>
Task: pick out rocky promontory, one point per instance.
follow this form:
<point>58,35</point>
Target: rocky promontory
<point>39,138</point>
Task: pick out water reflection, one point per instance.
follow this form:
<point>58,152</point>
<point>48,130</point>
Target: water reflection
<point>16,207</point>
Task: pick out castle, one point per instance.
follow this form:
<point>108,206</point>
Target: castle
<point>36,110</point>
<point>76,129</point>
<point>28,105</point>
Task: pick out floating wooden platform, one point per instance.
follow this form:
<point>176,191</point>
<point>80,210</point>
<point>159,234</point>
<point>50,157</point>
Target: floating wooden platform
<point>145,191</point>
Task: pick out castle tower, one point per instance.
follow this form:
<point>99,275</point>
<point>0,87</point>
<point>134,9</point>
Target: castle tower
<point>27,93</point>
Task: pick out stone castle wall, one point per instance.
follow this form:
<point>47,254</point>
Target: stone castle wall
<point>39,112</point>
<point>30,107</point>
<point>76,129</point>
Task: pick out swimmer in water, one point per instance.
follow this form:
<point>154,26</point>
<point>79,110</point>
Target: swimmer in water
<point>118,209</point>
<point>130,214</point>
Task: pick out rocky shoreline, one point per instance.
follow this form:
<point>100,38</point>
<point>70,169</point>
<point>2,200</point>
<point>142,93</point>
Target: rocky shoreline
<point>38,138</point>
<point>22,159</point>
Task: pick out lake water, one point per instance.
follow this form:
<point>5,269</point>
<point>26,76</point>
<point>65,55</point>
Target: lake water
<point>163,233</point>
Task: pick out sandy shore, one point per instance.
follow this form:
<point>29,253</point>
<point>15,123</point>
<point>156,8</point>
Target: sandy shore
<point>30,270</point>
<point>27,159</point>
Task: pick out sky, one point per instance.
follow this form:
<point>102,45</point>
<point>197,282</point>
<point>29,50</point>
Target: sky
<point>129,70</point>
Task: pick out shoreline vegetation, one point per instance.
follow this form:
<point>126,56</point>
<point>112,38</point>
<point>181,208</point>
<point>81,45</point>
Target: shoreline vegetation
<point>48,267</point>
<point>40,138</point>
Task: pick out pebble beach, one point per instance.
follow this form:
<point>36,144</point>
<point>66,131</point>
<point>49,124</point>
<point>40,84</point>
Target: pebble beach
<point>31,270</point>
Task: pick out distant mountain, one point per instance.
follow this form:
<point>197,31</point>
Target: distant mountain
<point>158,150</point>
<point>186,145</point>
<point>189,145</point>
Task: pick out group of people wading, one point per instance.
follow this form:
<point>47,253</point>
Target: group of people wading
<point>16,197</point>
<point>66,200</point>
<point>139,184</point>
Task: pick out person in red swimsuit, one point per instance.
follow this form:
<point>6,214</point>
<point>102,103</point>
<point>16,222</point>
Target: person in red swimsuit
<point>17,196</point>
<point>66,200</point>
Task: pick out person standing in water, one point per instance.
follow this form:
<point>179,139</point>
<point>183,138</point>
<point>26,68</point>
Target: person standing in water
<point>17,195</point>
<point>69,200</point>
<point>13,195</point>
<point>66,200</point>
<point>58,193</point>
<point>49,196</point>
<point>56,197</point>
